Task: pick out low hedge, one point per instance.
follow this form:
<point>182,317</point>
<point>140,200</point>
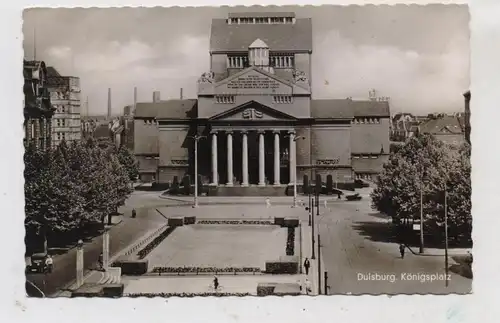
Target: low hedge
<point>279,221</point>
<point>156,241</point>
<point>175,222</point>
<point>258,222</point>
<point>285,265</point>
<point>265,289</point>
<point>132,267</point>
<point>189,220</point>
<point>290,241</point>
<point>188,294</point>
<point>113,290</point>
<point>201,270</point>
<point>291,222</point>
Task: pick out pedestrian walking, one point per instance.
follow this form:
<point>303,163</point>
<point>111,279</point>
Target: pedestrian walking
<point>402,250</point>
<point>216,283</point>
<point>308,286</point>
<point>133,213</point>
<point>268,202</point>
<point>307,265</point>
<point>101,261</point>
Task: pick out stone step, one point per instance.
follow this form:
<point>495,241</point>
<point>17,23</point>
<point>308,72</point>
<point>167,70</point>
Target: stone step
<point>249,191</point>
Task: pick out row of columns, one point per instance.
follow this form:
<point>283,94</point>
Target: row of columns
<point>245,182</point>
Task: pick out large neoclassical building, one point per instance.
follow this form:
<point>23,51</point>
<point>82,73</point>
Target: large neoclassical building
<point>256,114</point>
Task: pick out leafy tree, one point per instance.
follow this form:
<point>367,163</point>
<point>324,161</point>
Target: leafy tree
<point>127,159</point>
<point>427,164</point>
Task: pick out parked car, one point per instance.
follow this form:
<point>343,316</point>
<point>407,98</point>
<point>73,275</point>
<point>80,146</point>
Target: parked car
<point>353,197</point>
<point>359,183</point>
<point>37,263</point>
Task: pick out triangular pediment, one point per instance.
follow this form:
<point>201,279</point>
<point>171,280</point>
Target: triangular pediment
<point>255,80</point>
<point>251,111</point>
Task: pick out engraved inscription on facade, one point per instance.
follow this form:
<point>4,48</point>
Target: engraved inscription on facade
<point>253,82</point>
<point>326,162</point>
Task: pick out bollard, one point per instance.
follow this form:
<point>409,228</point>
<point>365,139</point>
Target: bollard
<point>79,264</point>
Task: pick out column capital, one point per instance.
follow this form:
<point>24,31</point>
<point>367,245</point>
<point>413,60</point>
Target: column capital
<point>291,132</point>
<point>244,132</point>
<point>229,132</point>
<point>214,132</point>
<point>261,132</point>
<point>277,132</point>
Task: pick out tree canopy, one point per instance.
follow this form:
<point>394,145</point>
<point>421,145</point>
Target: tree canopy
<point>427,163</point>
<point>72,186</point>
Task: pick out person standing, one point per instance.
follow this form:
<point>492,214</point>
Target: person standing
<point>402,250</point>
<point>307,265</point>
<point>49,263</point>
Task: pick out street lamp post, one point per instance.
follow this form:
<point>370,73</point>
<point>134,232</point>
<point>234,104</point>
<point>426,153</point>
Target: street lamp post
<point>421,250</point>
<point>446,235</point>
<point>196,139</point>
<point>313,256</point>
<point>293,155</point>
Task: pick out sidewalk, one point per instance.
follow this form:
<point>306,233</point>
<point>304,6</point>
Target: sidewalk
<point>440,252</point>
<point>307,253</point>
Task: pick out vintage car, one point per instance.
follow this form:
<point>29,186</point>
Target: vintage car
<point>353,197</point>
<point>37,263</point>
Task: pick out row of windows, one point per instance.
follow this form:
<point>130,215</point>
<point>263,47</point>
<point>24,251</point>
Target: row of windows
<point>60,122</point>
<point>224,99</point>
<point>365,157</point>
<point>282,99</point>
<point>281,61</point>
<point>237,61</point>
<point>365,120</point>
<point>62,135</point>
<point>150,122</point>
<point>262,20</point>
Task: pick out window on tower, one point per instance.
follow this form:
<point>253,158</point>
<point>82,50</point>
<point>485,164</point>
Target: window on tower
<point>237,61</point>
<point>282,61</point>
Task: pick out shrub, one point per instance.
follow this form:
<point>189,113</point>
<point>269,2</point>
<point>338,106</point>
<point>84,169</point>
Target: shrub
<point>290,242</point>
<point>156,241</point>
<point>282,267</point>
<point>279,221</point>
<point>175,222</point>
<point>318,184</point>
<point>187,185</point>
<point>205,270</point>
<point>132,267</point>
<point>291,222</point>
<point>189,220</point>
<point>236,222</point>
<point>305,184</point>
<point>329,184</point>
<point>188,294</point>
<point>175,184</point>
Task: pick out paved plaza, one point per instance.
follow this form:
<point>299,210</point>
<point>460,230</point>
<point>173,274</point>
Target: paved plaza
<point>220,246</point>
<point>203,284</point>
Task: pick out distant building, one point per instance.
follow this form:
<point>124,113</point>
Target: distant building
<point>250,106</point>
<point>65,97</point>
<point>467,97</point>
<point>404,126</point>
<point>447,128</point>
<point>38,110</point>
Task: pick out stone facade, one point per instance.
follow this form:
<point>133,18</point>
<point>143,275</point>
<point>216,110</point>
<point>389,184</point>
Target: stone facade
<point>257,120</point>
<point>65,98</point>
<point>38,110</point>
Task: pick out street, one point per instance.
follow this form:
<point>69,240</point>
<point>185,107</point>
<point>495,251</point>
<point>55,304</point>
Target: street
<point>121,236</point>
<point>354,251</point>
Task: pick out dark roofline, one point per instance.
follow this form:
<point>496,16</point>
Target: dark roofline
<point>261,15</point>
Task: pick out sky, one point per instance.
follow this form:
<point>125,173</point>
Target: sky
<point>416,55</point>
